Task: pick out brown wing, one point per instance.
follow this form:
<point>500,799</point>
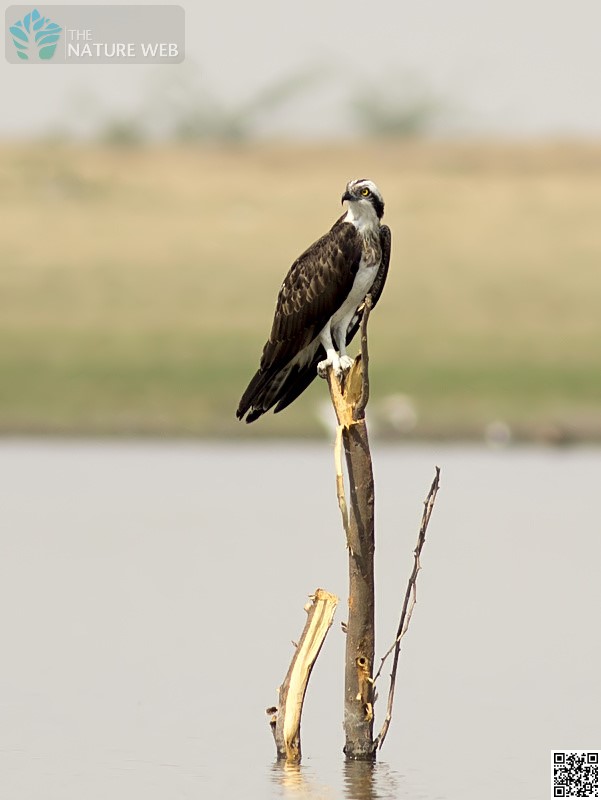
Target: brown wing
<point>314,288</point>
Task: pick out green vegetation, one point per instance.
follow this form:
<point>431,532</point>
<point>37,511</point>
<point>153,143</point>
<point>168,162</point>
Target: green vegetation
<point>137,286</point>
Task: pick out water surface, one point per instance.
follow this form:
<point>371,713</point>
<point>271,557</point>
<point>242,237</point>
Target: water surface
<point>149,593</point>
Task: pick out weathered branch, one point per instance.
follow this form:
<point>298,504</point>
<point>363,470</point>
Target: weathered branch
<point>349,398</point>
<point>360,635</point>
<point>286,720</point>
<point>407,610</point>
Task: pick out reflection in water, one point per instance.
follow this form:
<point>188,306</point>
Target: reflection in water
<point>368,780</point>
<point>362,780</point>
<point>359,780</point>
<point>296,783</point>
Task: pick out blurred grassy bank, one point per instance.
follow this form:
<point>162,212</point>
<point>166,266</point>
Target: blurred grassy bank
<point>137,285</point>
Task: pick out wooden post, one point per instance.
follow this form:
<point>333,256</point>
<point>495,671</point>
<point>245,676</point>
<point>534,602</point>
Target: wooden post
<point>360,633</point>
<point>349,398</point>
<point>286,719</point>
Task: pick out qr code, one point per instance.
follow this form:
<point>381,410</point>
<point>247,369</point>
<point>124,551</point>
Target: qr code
<point>576,773</point>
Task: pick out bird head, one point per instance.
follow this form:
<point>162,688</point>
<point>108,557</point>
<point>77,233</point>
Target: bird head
<point>362,191</point>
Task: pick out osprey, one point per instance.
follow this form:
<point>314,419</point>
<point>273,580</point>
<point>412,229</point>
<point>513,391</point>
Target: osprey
<point>320,304</point>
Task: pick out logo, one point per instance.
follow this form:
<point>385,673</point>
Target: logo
<point>94,34</point>
<point>35,37</point>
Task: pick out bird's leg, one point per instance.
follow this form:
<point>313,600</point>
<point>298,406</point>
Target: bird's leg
<point>332,359</point>
<point>346,362</point>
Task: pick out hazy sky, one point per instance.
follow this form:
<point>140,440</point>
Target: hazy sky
<point>503,67</point>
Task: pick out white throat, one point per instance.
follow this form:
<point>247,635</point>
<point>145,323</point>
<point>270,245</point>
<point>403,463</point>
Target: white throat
<point>362,215</point>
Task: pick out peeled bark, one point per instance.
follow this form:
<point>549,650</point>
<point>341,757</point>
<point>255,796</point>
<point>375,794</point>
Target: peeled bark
<point>286,719</point>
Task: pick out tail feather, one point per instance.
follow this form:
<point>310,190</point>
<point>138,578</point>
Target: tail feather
<point>280,386</point>
<point>253,392</point>
<point>256,398</point>
<point>263,393</point>
<point>298,381</point>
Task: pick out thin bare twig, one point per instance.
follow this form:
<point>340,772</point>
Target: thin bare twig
<point>408,606</point>
<point>359,410</point>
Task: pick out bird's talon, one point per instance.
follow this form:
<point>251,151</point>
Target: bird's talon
<point>322,368</point>
<point>346,362</point>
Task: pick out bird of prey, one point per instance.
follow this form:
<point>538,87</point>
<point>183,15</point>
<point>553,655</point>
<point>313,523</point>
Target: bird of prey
<point>320,304</point>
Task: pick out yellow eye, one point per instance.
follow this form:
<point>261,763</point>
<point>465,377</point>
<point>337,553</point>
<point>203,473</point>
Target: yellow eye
<point>365,192</point>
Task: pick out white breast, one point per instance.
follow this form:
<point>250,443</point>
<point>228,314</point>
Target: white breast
<point>362,284</point>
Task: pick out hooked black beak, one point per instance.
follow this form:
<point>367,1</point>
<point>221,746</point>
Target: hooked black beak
<point>346,196</point>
